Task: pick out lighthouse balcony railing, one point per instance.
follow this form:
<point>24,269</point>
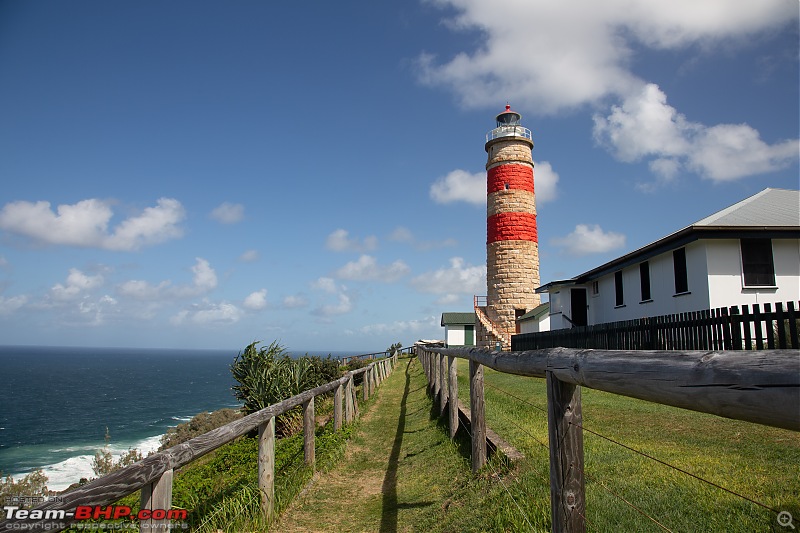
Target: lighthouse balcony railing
<point>480,301</point>
<point>509,131</point>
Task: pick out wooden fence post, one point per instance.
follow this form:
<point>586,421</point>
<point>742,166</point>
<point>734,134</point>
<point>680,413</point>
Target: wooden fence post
<point>452,388</point>
<point>337,407</point>
<point>348,401</point>
<point>365,386</point>
<point>309,425</point>
<point>266,466</point>
<point>567,491</point>
<point>443,388</point>
<point>477,415</point>
<point>437,376</point>
<point>157,495</point>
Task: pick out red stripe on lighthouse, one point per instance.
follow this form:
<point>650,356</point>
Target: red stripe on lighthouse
<point>511,227</point>
<point>518,177</point>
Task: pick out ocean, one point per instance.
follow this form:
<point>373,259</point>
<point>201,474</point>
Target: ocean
<point>57,403</point>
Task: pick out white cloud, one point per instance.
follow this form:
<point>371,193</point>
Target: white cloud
<point>545,55</point>
<point>86,224</point>
<point>342,306</point>
<point>3,262</point>
<point>11,304</point>
<point>366,268</point>
<point>249,256</point>
<point>343,303</point>
<point>76,285</point>
<point>545,180</point>
<point>228,213</point>
<point>458,278</point>
<point>208,313</point>
<point>325,284</point>
<point>401,234</point>
<point>295,301</point>
<point>256,301</point>
<point>204,280</point>
<point>587,239</point>
<point>426,325</point>
<point>645,126</point>
<point>731,151</point>
<point>340,241</point>
<point>462,186</point>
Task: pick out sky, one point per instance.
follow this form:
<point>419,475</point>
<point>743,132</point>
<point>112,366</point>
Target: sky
<point>204,174</point>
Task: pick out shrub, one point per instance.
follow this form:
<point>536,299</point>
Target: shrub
<point>30,486</point>
<point>268,375</point>
<point>199,424</point>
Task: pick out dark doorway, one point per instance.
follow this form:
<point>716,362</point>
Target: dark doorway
<point>578,304</point>
<point>517,313</point>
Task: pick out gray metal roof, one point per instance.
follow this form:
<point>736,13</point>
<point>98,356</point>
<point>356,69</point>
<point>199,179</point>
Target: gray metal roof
<point>771,213</point>
<point>768,208</point>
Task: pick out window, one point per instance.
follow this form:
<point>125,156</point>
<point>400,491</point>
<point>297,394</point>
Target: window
<point>595,288</point>
<point>644,280</point>
<point>679,264</point>
<point>758,268</point>
<point>618,288</point>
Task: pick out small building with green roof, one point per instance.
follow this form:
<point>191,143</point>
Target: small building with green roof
<point>459,329</point>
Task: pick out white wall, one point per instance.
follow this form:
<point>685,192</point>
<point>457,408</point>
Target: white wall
<point>714,272</point>
<point>454,335</point>
<point>535,326</point>
<point>727,285</point>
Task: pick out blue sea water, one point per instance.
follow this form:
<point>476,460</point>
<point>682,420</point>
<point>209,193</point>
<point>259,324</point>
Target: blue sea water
<point>56,403</point>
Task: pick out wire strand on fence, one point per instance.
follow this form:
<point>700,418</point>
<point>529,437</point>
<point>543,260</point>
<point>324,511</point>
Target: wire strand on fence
<point>648,456</point>
<point>678,469</point>
<point>607,489</point>
<point>542,409</point>
<point>500,479</point>
<point>629,504</point>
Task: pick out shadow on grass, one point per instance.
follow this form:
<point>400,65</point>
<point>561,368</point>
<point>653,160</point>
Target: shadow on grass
<point>389,489</point>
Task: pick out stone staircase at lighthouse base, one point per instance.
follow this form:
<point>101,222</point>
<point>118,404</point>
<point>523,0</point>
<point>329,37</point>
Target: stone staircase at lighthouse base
<point>489,334</point>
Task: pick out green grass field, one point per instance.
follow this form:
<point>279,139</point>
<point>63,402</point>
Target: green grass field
<point>399,471</point>
<point>758,462</point>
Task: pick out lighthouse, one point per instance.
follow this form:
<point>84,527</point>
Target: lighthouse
<point>512,246</point>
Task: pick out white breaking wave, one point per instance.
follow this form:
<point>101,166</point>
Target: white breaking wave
<point>63,474</point>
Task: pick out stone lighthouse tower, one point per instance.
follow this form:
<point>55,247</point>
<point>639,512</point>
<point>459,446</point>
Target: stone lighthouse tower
<point>512,246</point>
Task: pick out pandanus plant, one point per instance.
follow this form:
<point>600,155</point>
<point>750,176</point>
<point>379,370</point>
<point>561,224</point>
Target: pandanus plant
<point>267,375</point>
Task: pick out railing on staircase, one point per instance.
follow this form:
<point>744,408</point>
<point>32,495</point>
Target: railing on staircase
<point>503,336</point>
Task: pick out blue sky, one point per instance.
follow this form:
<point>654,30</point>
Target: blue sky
<point>205,174</point>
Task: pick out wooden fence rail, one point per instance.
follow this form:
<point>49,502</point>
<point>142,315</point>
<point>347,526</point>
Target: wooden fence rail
<point>375,355</point>
<point>724,328</point>
<point>761,387</point>
<point>153,475</point>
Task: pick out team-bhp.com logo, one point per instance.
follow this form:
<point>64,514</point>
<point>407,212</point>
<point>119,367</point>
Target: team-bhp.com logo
<point>93,512</point>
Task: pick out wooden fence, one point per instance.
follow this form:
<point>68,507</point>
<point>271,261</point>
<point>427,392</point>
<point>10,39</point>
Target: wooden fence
<point>153,475</point>
<point>725,328</point>
<point>743,386</point>
<point>376,355</point>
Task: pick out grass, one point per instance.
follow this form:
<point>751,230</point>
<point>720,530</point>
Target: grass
<point>220,489</point>
<point>400,471</point>
<point>755,461</point>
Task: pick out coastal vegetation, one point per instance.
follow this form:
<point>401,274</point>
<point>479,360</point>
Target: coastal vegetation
<point>268,374</point>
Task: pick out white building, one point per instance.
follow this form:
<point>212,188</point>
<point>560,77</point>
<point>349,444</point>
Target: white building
<point>535,320</point>
<point>747,253</point>
<point>459,329</point>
